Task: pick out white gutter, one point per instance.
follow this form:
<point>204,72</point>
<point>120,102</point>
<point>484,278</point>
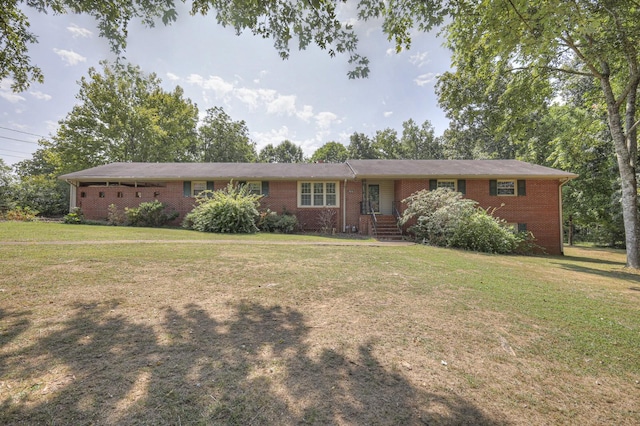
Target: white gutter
<point>560,210</point>
<point>344,207</point>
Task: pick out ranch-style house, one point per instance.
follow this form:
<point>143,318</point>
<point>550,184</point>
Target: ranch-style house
<point>363,196</point>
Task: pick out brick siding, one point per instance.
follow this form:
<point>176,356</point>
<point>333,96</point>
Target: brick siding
<point>539,209</point>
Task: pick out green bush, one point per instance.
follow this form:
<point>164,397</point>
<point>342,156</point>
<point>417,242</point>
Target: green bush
<point>285,223</point>
<point>149,214</point>
<point>230,210</point>
<point>444,218</point>
<point>21,214</point>
<point>74,217</point>
<point>483,232</point>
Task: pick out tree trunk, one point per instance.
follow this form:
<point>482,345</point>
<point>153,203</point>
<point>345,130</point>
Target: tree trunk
<point>624,146</point>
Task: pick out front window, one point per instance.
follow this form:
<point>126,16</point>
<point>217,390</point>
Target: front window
<point>448,183</point>
<point>197,187</point>
<point>317,194</point>
<point>254,187</point>
<point>506,187</point>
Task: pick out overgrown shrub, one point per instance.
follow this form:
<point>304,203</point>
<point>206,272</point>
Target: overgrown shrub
<point>150,214</point>
<point>444,218</point>
<point>74,217</point>
<point>483,232</point>
<point>230,210</point>
<point>22,214</point>
<point>115,216</point>
<point>327,220</point>
<point>285,223</point>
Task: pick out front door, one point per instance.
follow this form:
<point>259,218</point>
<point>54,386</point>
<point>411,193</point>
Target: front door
<point>374,197</point>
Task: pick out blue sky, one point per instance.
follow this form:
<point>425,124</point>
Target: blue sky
<point>307,99</point>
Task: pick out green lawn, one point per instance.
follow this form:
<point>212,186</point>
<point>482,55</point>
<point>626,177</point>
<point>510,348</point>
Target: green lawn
<point>113,325</point>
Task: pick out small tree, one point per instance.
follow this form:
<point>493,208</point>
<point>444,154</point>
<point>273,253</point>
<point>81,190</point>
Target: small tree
<point>231,210</point>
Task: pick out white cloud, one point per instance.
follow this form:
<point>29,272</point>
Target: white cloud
<point>306,113</point>
<point>419,59</point>
<point>214,83</point>
<point>325,119</point>
<point>387,114</point>
<point>273,137</point>
<point>391,51</point>
<point>171,76</point>
<point>69,56</point>
<point>77,31</point>
<point>283,104</point>
<point>424,79</point>
<point>7,94</point>
<point>41,96</point>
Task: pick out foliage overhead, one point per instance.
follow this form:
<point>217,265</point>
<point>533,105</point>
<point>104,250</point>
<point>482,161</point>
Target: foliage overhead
<point>113,19</point>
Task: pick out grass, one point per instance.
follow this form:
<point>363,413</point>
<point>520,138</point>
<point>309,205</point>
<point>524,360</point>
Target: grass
<point>111,325</point>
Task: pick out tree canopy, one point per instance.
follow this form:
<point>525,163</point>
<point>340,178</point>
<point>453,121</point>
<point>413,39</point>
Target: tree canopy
<point>124,115</point>
<point>285,152</point>
<point>113,19</point>
<point>221,139</point>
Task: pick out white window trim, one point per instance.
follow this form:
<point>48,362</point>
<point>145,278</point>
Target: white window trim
<point>193,186</point>
<point>324,194</point>
<point>257,183</point>
<point>454,181</point>
<point>515,187</point>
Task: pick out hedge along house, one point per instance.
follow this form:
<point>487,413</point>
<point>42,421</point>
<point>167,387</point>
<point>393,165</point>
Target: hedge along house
<point>362,196</point>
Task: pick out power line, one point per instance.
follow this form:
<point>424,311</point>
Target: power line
<point>20,131</point>
<point>14,156</point>
<point>17,152</point>
<point>18,140</point>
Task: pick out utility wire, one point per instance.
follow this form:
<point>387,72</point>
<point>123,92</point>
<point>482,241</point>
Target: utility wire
<point>17,152</point>
<point>20,131</point>
<point>18,140</point>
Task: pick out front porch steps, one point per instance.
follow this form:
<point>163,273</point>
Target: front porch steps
<point>386,228</point>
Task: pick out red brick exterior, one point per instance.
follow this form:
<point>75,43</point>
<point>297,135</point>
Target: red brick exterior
<point>539,209</point>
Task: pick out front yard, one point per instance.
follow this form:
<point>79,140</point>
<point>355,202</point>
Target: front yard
<point>105,325</point>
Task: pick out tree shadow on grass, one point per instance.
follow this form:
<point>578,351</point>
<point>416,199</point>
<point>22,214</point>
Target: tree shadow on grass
<point>253,366</point>
<point>616,275</point>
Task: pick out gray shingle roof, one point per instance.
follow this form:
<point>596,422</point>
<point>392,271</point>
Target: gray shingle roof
<point>362,169</point>
<point>453,168</point>
<point>202,171</point>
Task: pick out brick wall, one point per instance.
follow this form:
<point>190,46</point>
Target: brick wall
<point>538,209</point>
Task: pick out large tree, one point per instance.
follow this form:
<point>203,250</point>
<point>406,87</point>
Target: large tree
<point>285,152</point>
<point>419,142</point>
<point>113,18</point>
<point>330,152</point>
<point>546,41</point>
<point>124,115</point>
<point>223,140</point>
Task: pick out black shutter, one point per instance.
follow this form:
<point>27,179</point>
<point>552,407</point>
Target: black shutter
<point>522,188</point>
<point>433,184</point>
<point>265,188</point>
<point>493,187</point>
<point>186,188</point>
<point>462,186</point>
<point>522,227</point>
<point>209,185</point>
